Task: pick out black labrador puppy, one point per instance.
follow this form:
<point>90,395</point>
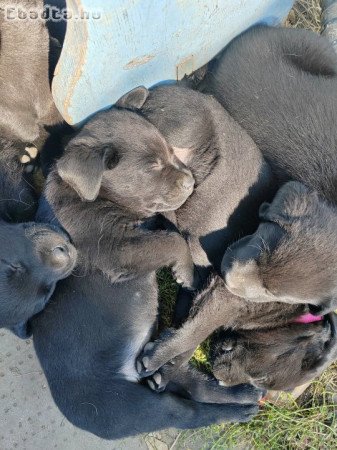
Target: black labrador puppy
<point>281,86</point>
<point>227,194</point>
<point>229,171</point>
<point>88,338</point>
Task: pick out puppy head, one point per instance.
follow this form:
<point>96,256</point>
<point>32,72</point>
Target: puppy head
<point>121,156</point>
<point>33,258</point>
<point>292,257</point>
<point>277,359</point>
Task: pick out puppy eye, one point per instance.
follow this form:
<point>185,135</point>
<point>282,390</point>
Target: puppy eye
<point>112,159</point>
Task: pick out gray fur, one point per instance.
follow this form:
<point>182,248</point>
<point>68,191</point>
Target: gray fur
<point>98,322</point>
<point>228,168</point>
<point>280,85</point>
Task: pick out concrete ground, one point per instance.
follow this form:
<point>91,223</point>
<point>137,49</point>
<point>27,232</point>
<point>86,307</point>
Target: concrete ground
<point>29,419</point>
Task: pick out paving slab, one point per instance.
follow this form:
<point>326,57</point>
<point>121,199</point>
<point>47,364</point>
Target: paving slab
<point>29,419</point>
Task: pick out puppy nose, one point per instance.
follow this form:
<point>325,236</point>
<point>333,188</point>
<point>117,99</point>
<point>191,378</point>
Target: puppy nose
<point>187,182</point>
<point>60,256</point>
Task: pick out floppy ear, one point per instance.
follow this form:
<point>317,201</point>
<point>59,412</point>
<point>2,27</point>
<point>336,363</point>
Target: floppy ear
<point>82,168</point>
<point>134,99</point>
<point>22,330</point>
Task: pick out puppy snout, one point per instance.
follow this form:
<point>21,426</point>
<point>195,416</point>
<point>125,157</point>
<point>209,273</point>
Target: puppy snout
<point>60,256</point>
<point>187,182</point>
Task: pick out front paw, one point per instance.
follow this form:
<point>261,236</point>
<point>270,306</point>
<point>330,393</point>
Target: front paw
<point>187,276</point>
<point>156,382</point>
<point>155,354</point>
<point>160,379</point>
<point>29,158</point>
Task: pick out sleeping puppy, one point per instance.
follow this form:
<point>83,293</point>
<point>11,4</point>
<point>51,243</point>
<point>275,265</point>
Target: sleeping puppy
<point>100,318</point>
<point>236,189</point>
<point>281,86</point>
<point>289,352</point>
<point>116,174</point>
<point>272,355</point>
<point>227,194</point>
<point>33,257</point>
<point>26,108</point>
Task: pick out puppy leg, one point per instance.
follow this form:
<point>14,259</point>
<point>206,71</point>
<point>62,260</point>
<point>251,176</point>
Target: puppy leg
<point>213,308</point>
<point>183,305</point>
<point>117,409</point>
<point>161,249</point>
<point>204,388</point>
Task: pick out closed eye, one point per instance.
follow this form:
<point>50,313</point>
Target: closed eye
<point>12,268</point>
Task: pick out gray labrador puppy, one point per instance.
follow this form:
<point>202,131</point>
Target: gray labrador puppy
<point>281,86</point>
<point>32,257</point>
<point>27,107</point>
<point>180,115</point>
<point>99,319</point>
<point>120,169</point>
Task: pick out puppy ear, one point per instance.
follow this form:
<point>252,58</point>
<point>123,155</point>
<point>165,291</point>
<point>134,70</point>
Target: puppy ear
<point>289,203</point>
<point>134,99</point>
<point>82,168</point>
<point>22,330</point>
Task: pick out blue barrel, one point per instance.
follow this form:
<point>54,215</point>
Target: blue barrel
<point>112,46</point>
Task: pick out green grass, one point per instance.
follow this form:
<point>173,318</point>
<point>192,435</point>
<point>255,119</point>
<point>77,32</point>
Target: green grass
<point>308,424</point>
<point>167,295</point>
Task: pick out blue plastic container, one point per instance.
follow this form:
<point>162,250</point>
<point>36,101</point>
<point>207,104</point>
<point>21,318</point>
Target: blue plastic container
<point>114,46</point>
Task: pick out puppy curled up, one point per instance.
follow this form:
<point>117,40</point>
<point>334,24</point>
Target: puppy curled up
<point>101,317</point>
<point>281,86</point>
<point>240,181</point>
<point>114,203</point>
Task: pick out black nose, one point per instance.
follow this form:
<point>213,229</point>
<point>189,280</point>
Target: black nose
<point>60,256</point>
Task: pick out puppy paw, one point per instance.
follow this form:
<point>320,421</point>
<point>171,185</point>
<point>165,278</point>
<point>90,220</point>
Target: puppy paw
<point>28,158</point>
<point>156,382</point>
<point>186,276</point>
<point>155,354</point>
<point>242,394</point>
<point>244,413</point>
